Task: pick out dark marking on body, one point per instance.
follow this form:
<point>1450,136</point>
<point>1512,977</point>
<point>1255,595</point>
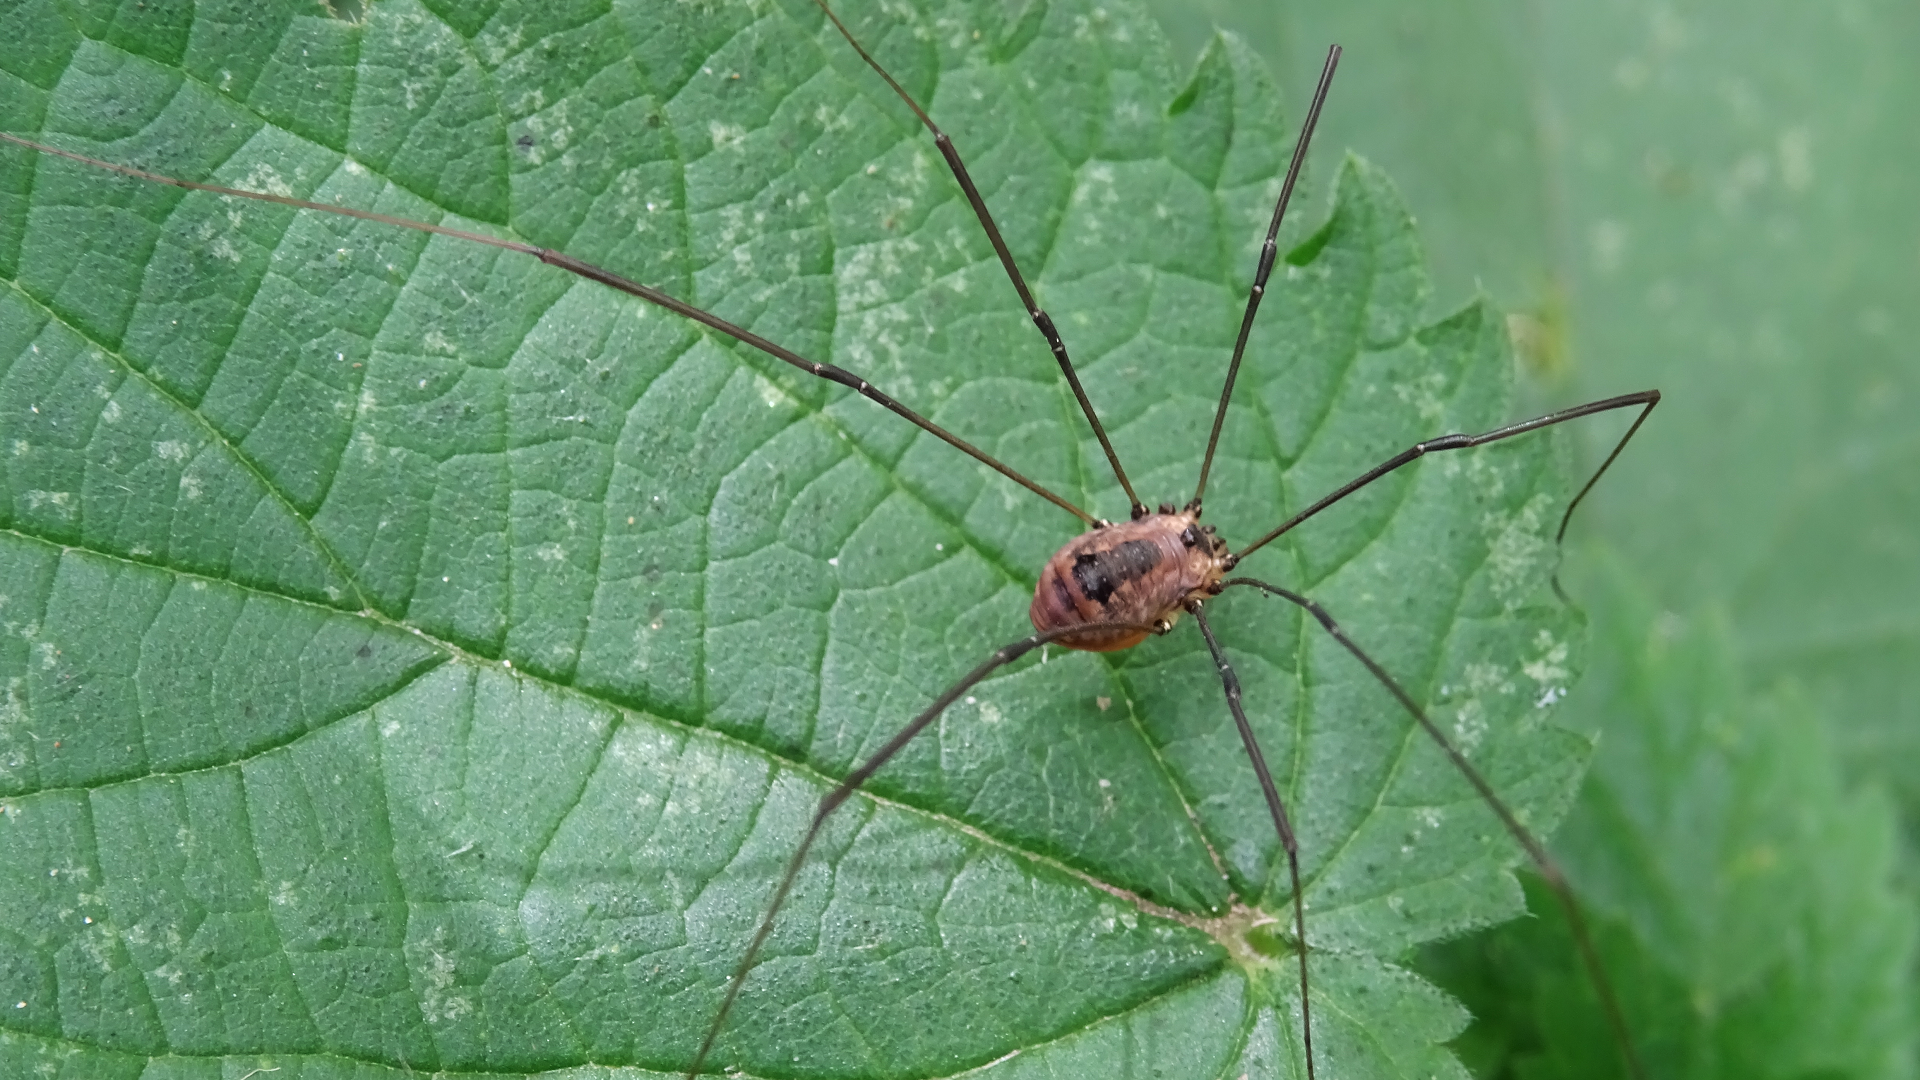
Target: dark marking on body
<point>1065,594</point>
<point>1099,573</point>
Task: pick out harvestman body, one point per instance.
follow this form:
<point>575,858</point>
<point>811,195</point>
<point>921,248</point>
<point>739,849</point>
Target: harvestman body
<point>1116,584</point>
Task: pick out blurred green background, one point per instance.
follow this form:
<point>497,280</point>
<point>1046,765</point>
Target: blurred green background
<point>1717,199</point>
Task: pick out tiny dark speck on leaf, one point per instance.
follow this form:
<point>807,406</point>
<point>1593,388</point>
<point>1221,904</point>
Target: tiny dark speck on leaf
<point>524,142</point>
<point>363,651</point>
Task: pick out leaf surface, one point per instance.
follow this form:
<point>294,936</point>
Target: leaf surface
<point>420,658</point>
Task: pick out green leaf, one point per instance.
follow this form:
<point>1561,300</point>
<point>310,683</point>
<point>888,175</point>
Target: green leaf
<point>1754,931</point>
<point>419,658</point>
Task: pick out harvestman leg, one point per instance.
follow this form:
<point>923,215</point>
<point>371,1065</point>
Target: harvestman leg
<point>1646,399</point>
<point>1040,318</point>
<point>833,800</point>
<point>1230,683</point>
<point>1543,862</point>
<point>1549,870</point>
<point>1268,250</point>
<point>611,280</point>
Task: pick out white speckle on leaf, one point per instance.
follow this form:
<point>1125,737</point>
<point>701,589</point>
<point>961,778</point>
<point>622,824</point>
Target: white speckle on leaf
<point>1483,680</point>
<point>1487,678</point>
<point>734,229</point>
<point>437,1003</point>
<point>1099,185</point>
<point>170,450</point>
<point>264,177</point>
<point>830,118</point>
<point>1518,552</point>
<point>1470,725</point>
<point>724,134</point>
<point>865,273</point>
<point>1551,667</point>
<point>1423,393</point>
<point>60,501</point>
<point>770,391</point>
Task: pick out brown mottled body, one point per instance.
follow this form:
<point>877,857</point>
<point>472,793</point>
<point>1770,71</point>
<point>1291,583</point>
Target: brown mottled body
<point>1141,571</point>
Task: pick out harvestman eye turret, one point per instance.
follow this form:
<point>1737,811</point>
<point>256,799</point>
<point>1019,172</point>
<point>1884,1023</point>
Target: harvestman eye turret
<point>1116,584</point>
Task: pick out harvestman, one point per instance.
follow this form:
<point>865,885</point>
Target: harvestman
<point>1117,583</point>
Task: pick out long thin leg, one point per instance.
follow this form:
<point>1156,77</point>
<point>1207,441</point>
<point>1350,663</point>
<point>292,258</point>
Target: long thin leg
<point>832,801</point>
<point>1268,251</point>
<point>611,280</point>
<point>1040,318</point>
<point>1543,862</point>
<point>1646,398</point>
<point>1231,684</point>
